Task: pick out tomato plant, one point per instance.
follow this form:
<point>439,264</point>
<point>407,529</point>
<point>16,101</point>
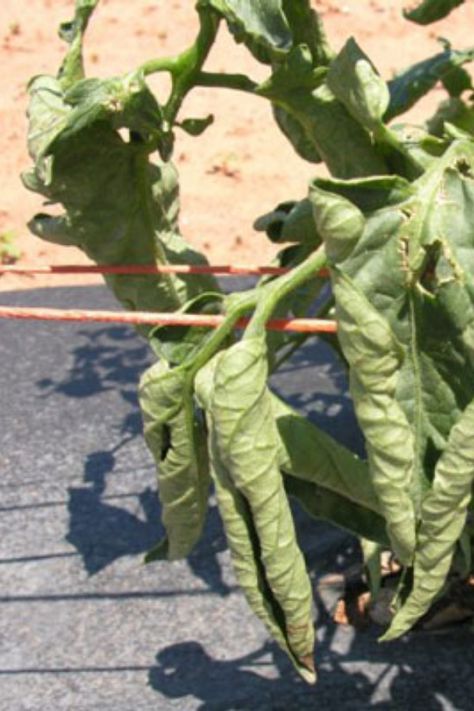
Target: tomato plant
<point>393,228</point>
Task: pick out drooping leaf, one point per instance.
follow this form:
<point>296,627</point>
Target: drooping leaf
<point>196,126</point>
<point>429,11</point>
<point>72,68</point>
<point>325,505</point>
<point>176,439</point>
<point>119,206</point>
<point>342,143</point>
<point>261,26</point>
<point>239,408</point>
<point>316,122</point>
<point>307,29</point>
<point>375,359</point>
<point>410,86</point>
<point>290,222</point>
<point>404,292</point>
<point>355,82</point>
<point>443,517</point>
<point>309,454</point>
<point>330,482</point>
<point>297,135</point>
<point>240,531</point>
<point>372,555</point>
<point>452,114</point>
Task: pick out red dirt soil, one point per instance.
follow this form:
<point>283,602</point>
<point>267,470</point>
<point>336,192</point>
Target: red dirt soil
<point>242,166</point>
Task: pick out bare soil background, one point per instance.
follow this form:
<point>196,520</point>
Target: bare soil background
<point>242,166</point>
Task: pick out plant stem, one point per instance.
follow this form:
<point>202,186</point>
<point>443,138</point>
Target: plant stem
<point>238,307</point>
<point>161,64</point>
<point>189,64</point>
<point>238,82</point>
<point>280,288</point>
<point>384,134</point>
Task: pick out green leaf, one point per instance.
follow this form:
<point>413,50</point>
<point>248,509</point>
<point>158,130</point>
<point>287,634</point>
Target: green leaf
<point>422,147</point>
<point>296,73</point>
<point>295,132</point>
<point>443,517</point>
<point>431,11</point>
<point>122,102</point>
<point>330,482</point>
<point>72,68</point>
<point>261,25</point>
<point>313,456</point>
<point>196,126</point>
<point>411,85</point>
<point>375,359</point>
<point>307,29</point>
<point>372,555</point>
<point>344,145</point>
<point>176,438</point>
<point>367,194</point>
<point>316,123</point>
<point>270,28</point>
<point>452,113</point>
<point>245,438</point>
<point>354,80</point>
<point>339,222</point>
<point>290,222</point>
<point>47,117</point>
<point>325,505</point>
<point>457,81</point>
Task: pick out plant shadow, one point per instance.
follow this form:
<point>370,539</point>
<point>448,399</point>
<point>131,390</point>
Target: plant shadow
<point>113,359</point>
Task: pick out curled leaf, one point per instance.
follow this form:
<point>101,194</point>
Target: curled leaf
<point>429,11</point>
<point>290,222</point>
<point>355,82</point>
<point>411,85</point>
<point>119,206</point>
<point>375,358</point>
<point>176,439</point>
<point>261,26</point>
<point>73,33</point>
<point>196,126</point>
<point>245,438</point>
<point>443,517</point>
<point>339,222</point>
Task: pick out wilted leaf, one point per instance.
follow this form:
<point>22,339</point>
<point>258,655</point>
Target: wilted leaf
<point>120,207</point>
<point>175,437</point>
<point>354,80</point>
<point>261,26</point>
<point>443,517</point>
<point>245,438</point>
<point>410,86</point>
<point>72,68</point>
<point>429,11</point>
<point>405,304</point>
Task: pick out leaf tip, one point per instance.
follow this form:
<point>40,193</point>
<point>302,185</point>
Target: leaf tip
<point>307,669</point>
